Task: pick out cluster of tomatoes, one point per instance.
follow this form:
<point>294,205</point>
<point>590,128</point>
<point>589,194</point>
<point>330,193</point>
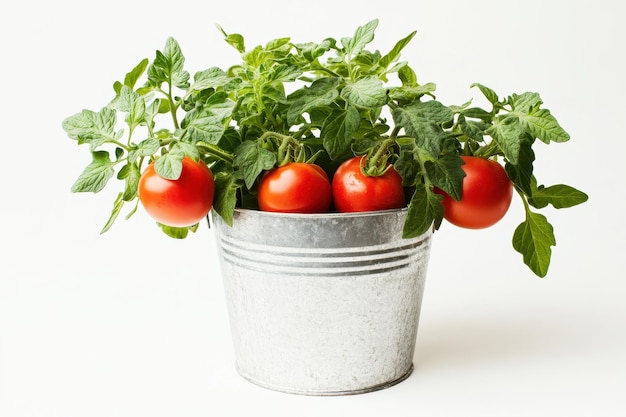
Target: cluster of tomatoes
<point>306,188</point>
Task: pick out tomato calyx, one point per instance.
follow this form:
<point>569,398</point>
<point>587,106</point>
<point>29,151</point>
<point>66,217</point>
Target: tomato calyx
<point>376,162</point>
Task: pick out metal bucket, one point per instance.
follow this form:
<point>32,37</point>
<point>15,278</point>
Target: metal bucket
<point>322,304</point>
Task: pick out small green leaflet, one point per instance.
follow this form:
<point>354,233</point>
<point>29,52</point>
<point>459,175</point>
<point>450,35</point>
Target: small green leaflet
<point>168,67</point>
<point>321,93</point>
<point>208,123</point>
<point>226,187</point>
<point>338,129</point>
<point>560,196</point>
<point>252,159</point>
<point>424,209</point>
<point>170,165</point>
<point>96,175</point>
<point>367,92</point>
<point>94,128</point>
<point>363,35</point>
<point>132,76</point>
<point>533,239</point>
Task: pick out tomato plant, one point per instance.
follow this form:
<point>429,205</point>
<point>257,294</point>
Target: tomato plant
<point>354,191</point>
<point>486,196</point>
<point>296,187</point>
<point>181,202</point>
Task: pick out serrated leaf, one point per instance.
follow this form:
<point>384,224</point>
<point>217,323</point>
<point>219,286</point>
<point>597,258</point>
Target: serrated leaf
<point>94,128</point>
<point>446,173</point>
<point>130,174</point>
<point>489,94</point>
<point>251,159</point>
<point>96,175</point>
<point>225,201</point>
<point>422,121</point>
<point>424,211</point>
<point>210,78</point>
<point>542,125</point>
<point>412,92</point>
<point>367,92</point>
<point>284,73</point>
<point>322,92</point>
<point>559,196</point>
<point>522,173</point>
<point>508,134</point>
<point>525,102</point>
<point>170,165</point>
<point>338,129</point>
<point>133,104</point>
<point>533,239</point>
<point>208,122</point>
<point>168,66</point>
<point>363,35</point>
<point>146,147</point>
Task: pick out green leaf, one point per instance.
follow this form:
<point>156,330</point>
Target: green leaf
<point>410,93</point>
<point>133,104</point>
<point>168,67</point>
<point>235,40</point>
<point>446,173</point>
<point>177,232</point>
<point>424,210</point>
<point>524,103</point>
<point>363,35</point>
<point>210,78</point>
<point>132,76</point>
<point>170,165</point>
<point>209,122</point>
<point>541,124</point>
<point>422,120</point>
<point>522,173</point>
<point>394,54</point>
<point>94,128</point>
<point>96,175</point>
<point>284,73</point>
<point>130,174</point>
<point>367,92</point>
<point>321,93</point>
<point>312,51</point>
<point>491,95</point>
<point>560,196</point>
<point>338,129</point>
<point>533,239</point>
<point>117,209</point>
<point>251,159</point>
<point>508,134</point>
<point>225,201</point>
<point>146,147</point>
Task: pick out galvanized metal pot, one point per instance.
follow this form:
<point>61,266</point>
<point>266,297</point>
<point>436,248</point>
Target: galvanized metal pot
<point>322,304</point>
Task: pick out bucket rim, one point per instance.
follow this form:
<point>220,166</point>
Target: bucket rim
<point>325,215</point>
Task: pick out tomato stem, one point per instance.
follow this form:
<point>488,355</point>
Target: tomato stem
<point>376,163</point>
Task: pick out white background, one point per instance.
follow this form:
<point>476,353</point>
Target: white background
<point>132,323</point>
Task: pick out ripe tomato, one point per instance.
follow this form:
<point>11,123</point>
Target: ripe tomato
<point>487,194</point>
<point>295,188</point>
<point>182,202</point>
<point>353,191</point>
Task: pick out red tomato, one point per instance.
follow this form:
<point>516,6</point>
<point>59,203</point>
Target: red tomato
<point>182,202</point>
<point>353,191</point>
<point>487,194</point>
<point>295,188</point>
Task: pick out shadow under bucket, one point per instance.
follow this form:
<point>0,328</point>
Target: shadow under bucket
<point>322,304</point>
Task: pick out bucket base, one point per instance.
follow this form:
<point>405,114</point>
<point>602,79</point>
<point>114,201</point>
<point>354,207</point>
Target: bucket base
<point>288,390</point>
